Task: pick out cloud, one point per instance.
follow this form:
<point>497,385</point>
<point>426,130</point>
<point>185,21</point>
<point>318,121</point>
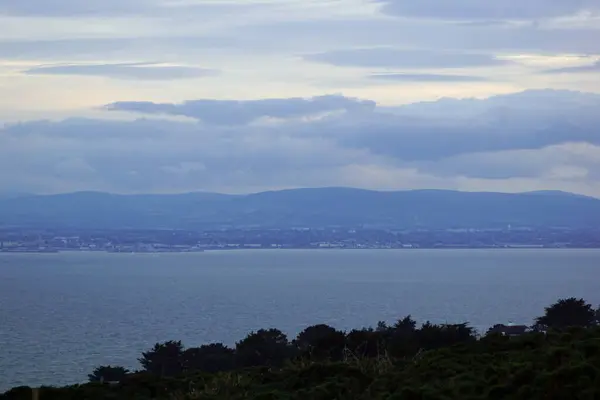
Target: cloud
<point>231,112</point>
<point>570,160</point>
<point>403,77</point>
<point>420,140</point>
<point>73,7</point>
<point>280,53</point>
<point>90,48</point>
<point>575,70</point>
<point>155,156</point>
<point>362,147</point>
<point>236,37</point>
<point>397,58</point>
<point>111,8</point>
<point>488,10</point>
<point>143,71</point>
<point>416,132</point>
<point>558,108</point>
<point>311,37</point>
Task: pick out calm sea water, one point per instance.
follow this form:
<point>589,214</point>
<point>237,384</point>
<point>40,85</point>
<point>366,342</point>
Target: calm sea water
<point>63,314</point>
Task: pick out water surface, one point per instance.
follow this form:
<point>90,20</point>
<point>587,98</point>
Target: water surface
<point>63,314</point>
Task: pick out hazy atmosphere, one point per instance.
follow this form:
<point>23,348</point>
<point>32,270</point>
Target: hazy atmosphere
<point>167,96</point>
<point>299,199</point>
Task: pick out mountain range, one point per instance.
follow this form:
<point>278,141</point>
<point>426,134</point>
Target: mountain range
<point>319,207</point>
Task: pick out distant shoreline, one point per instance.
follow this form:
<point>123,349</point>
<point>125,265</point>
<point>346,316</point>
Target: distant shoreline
<point>299,249</point>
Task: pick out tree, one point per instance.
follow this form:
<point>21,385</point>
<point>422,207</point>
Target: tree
<point>165,359</point>
<point>402,341</point>
<point>598,316</point>
<point>566,313</point>
<point>433,336</point>
<point>321,342</point>
<point>263,348</point>
<point>108,373</point>
<point>367,343</point>
<point>211,358</point>
<point>382,326</point>
<point>406,324</point>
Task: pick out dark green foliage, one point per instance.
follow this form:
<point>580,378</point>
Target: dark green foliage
<point>264,347</point>
<point>402,340</point>
<point>436,336</point>
<point>405,325</point>
<point>108,373</point>
<point>212,358</point>
<point>321,342</point>
<point>567,313</point>
<point>535,366</point>
<point>165,359</point>
<point>399,361</point>
<point>367,343</point>
<point>17,393</point>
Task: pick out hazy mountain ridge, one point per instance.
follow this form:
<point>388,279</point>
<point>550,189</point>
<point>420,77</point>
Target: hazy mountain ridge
<point>303,208</point>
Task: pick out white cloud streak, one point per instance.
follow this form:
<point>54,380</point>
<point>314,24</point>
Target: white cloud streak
<point>143,71</point>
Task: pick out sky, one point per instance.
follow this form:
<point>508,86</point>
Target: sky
<point>240,96</point>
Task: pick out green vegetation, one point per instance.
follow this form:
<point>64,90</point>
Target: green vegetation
<point>559,359</point>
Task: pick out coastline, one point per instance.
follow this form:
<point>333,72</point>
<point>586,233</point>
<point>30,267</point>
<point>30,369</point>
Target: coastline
<point>215,250</point>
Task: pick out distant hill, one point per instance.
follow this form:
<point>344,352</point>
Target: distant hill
<point>303,208</point>
<point>10,195</point>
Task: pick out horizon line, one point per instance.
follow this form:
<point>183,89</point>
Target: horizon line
<point>303,188</point>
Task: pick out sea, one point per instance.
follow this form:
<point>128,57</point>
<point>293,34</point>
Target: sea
<point>63,314</point>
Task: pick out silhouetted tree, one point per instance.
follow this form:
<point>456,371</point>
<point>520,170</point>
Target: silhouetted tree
<point>459,333</point>
<point>108,373</point>
<point>567,313</point>
<point>263,348</point>
<point>165,359</point>
<point>430,336</point>
<point>556,365</point>
<point>435,336</point>
<point>402,340</point>
<point>321,342</point>
<point>406,324</point>
<point>497,329</point>
<point>212,358</point>
<point>366,342</point>
<point>382,326</point>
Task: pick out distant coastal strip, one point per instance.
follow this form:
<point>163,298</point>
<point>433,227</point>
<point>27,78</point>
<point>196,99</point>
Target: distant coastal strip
<point>25,240</point>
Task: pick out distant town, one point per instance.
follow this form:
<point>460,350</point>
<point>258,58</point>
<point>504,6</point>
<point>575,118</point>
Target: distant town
<point>159,241</point>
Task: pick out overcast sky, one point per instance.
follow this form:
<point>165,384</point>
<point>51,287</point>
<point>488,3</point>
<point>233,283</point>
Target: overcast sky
<point>248,95</point>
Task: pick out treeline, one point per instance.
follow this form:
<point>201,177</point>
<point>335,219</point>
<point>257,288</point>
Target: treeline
<point>272,348</point>
<point>386,360</point>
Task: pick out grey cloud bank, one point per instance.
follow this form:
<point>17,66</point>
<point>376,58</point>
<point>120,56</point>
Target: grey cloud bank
<point>549,143</point>
<point>230,112</point>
